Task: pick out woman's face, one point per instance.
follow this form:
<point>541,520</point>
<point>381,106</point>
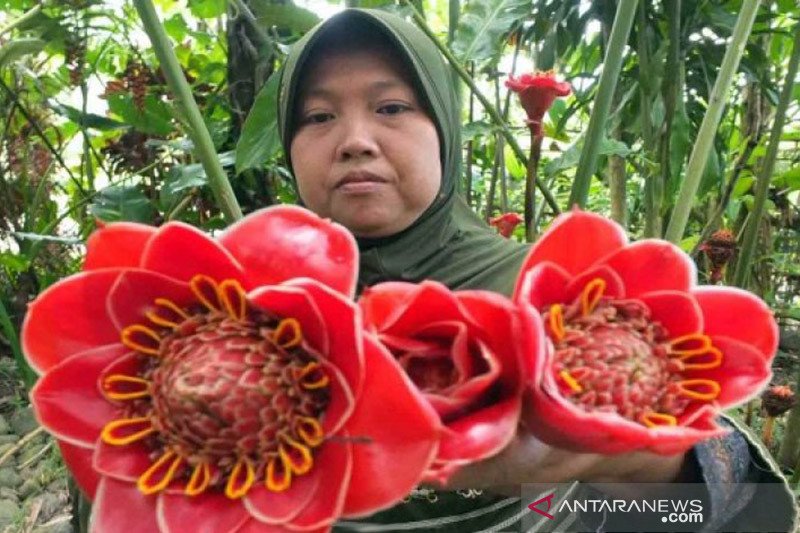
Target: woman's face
<point>365,153</point>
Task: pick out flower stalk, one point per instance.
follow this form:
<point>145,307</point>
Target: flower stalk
<point>203,145</point>
<point>708,128</point>
<point>768,165</point>
<point>612,64</point>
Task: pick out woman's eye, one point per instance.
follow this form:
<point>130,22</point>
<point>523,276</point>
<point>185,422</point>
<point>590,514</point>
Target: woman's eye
<point>393,109</point>
<point>317,118</point>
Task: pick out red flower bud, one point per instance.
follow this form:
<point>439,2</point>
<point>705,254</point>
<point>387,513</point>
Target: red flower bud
<point>537,92</point>
<point>506,223</point>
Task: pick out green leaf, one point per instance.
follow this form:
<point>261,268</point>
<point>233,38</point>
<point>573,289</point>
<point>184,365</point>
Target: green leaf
<point>14,263</point>
<point>688,244</point>
<point>712,175</point>
<point>154,119</point>
<point>176,27</point>
<point>475,129</point>
<point>572,155</point>
<point>87,120</point>
<point>289,16</point>
<point>259,140</point>
<point>18,48</point>
<point>120,202</point>
<point>186,177</point>
<point>743,185</point>
<point>206,9</point>
<point>789,179</point>
<point>483,25</point>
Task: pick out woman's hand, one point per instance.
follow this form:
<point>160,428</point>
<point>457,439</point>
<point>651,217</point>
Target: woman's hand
<point>528,460</point>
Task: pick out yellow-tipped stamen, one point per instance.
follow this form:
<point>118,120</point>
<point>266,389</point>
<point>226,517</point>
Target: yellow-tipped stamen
<point>240,480</point>
<point>277,481</point>
<point>653,420</point>
<point>136,387</point>
<point>571,382</point>
<point>129,338</point>
<point>715,362</point>
<point>556,321</point>
<point>199,481</point>
<point>145,483</point>
<point>591,295</point>
<point>206,291</point>
<point>310,430</point>
<point>233,298</point>
<point>675,345</point>
<point>307,378</point>
<point>686,390</point>
<point>296,456</point>
<point>164,307</point>
<point>111,435</point>
<point>288,333</point>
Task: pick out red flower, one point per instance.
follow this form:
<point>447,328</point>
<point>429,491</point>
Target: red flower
<point>642,358</point>
<point>469,352</point>
<point>506,223</point>
<point>537,92</point>
<point>224,383</point>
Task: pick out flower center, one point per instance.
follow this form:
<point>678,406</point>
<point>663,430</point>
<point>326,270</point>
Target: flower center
<point>223,396</point>
<point>611,356</point>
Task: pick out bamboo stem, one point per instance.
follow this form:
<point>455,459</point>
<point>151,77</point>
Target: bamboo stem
<point>708,128</point>
<point>768,165</point>
<point>612,64</point>
<point>203,145</point>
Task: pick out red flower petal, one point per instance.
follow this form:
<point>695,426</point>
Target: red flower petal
<point>254,526</point>
<point>291,302</point>
<point>121,507</point>
<point>211,512</point>
<point>740,315</point>
<point>676,311</point>
<point>615,288</point>
<point>334,463</point>
<point>117,245</point>
<point>281,507</point>
<point>342,399</point>
<point>652,265</point>
<point>68,318</point>
<point>68,401</point>
<point>480,434</point>
<point>411,433</point>
<point>743,372</point>
<point>182,251</point>
<point>79,462</point>
<point>544,285</point>
<point>415,305</point>
<point>575,241</point>
<point>284,242</point>
<point>135,293</point>
<point>123,463</point>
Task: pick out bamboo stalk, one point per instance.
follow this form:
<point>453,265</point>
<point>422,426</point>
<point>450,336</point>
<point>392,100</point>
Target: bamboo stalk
<point>708,128</point>
<point>767,166</point>
<point>612,64</point>
<point>203,145</point>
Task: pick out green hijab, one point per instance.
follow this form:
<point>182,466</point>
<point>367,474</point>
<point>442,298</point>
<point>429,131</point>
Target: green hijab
<point>448,242</point>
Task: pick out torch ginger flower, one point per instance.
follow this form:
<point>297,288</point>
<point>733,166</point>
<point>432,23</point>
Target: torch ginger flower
<point>506,223</point>
<point>641,357</point>
<point>537,92</point>
<point>469,352</point>
<point>224,383</point>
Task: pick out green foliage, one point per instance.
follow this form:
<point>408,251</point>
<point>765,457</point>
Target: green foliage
<point>484,24</point>
<point>259,140</point>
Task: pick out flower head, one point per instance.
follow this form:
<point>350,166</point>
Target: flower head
<point>469,352</point>
<point>642,358</point>
<point>225,382</point>
<point>537,92</point>
<point>719,248</point>
<point>506,223</point>
<point>778,399</point>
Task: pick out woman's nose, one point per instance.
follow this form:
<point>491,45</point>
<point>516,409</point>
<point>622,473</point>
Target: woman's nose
<point>357,141</point>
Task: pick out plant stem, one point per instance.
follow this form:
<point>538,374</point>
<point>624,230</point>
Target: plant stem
<point>708,129</point>
<point>612,64</point>
<point>203,145</point>
<point>530,179</point>
<point>490,109</point>
<point>25,17</point>
<point>767,166</point>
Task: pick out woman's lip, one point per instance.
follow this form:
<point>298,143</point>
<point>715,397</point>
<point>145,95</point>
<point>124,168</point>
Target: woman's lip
<point>359,177</point>
<point>360,187</point>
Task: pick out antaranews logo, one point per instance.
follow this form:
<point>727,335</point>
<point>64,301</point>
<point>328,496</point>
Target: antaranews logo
<point>548,500</point>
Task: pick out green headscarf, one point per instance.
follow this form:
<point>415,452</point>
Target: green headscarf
<point>448,242</point>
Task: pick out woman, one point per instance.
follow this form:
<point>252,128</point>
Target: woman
<point>370,124</point>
